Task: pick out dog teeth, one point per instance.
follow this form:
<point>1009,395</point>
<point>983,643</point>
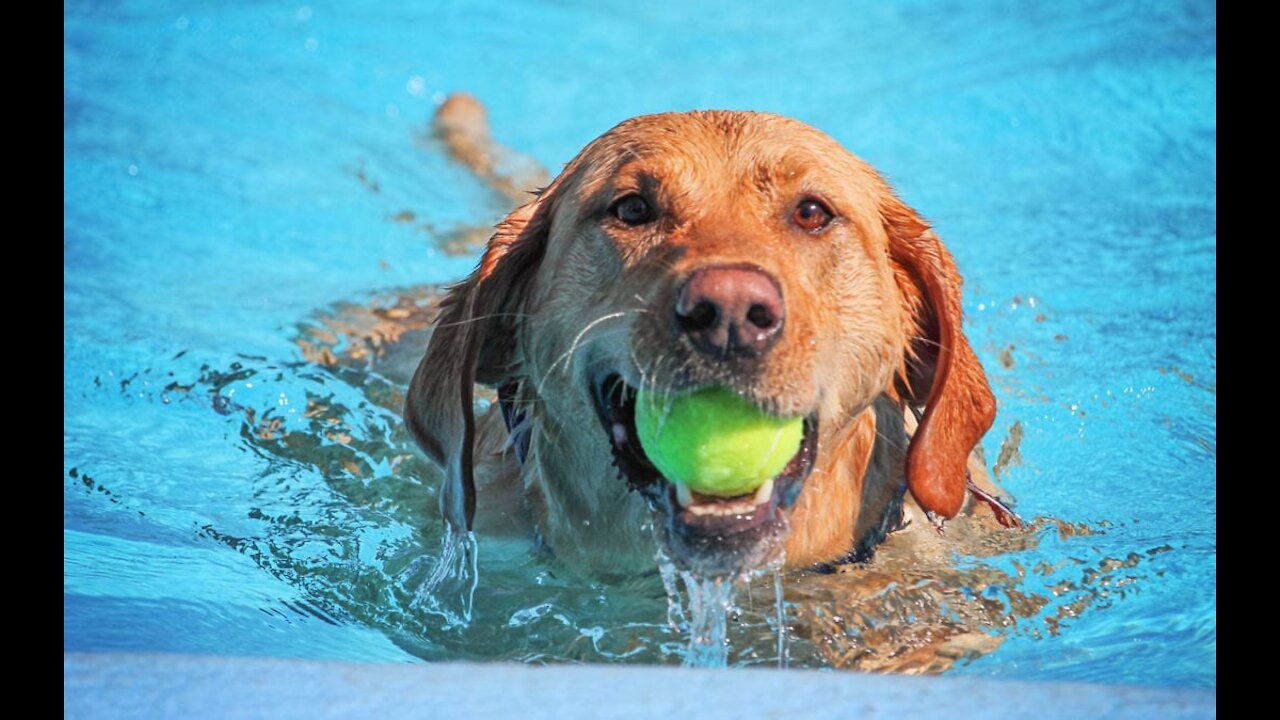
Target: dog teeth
<point>684,495</point>
<point>739,506</point>
<point>619,432</point>
<point>742,506</point>
<point>764,494</point>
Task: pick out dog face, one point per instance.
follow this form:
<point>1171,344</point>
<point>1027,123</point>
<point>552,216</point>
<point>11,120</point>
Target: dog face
<point>683,251</point>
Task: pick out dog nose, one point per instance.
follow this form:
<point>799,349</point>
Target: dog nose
<point>729,310</point>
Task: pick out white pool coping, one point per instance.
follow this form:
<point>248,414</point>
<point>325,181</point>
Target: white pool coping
<point>121,685</point>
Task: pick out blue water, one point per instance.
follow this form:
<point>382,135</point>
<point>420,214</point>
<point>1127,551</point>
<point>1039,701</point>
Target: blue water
<point>231,171</point>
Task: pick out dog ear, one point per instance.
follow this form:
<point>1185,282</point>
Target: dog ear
<point>941,370</point>
<point>473,341</point>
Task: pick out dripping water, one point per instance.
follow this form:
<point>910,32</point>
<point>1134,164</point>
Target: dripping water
<point>710,600</point>
<point>780,604</point>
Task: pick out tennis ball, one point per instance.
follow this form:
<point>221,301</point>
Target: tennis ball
<point>713,441</point>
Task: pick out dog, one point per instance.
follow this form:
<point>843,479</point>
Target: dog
<point>683,251</point>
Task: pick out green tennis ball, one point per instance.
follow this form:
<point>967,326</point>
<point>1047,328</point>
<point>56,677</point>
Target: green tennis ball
<point>713,441</point>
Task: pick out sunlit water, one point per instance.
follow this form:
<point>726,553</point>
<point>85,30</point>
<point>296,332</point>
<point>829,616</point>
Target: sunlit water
<point>253,213</point>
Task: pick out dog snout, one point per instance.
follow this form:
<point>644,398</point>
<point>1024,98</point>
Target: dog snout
<point>730,310</point>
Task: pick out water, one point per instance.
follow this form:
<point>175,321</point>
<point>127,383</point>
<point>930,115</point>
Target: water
<point>710,603</point>
<point>780,598</point>
<point>248,188</point>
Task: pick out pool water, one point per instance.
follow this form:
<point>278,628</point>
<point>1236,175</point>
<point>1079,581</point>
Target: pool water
<point>255,215</point>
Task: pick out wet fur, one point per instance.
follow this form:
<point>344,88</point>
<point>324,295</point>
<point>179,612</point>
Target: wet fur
<point>873,325</point>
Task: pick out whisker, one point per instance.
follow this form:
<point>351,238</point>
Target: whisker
<point>578,338</point>
<point>923,340</point>
<point>481,318</point>
<point>567,356</point>
<point>893,442</point>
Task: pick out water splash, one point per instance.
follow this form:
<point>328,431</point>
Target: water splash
<point>345,510</point>
<point>781,605</point>
<point>449,592</point>
<point>710,600</point>
<point>675,606</point>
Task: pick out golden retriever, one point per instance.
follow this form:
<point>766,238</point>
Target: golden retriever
<point>687,250</point>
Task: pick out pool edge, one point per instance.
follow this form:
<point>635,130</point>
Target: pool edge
<point>116,685</point>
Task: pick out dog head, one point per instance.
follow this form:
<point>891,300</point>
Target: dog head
<point>683,251</point>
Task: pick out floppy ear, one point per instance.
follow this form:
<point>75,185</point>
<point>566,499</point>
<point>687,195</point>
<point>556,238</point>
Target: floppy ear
<point>473,341</point>
<point>959,405</point>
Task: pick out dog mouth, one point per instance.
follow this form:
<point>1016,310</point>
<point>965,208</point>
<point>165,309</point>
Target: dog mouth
<point>711,535</point>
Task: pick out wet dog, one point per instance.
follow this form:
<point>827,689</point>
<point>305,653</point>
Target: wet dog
<point>688,250</point>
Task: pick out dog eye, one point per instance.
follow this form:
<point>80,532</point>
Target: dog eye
<point>632,210</point>
<point>811,215</point>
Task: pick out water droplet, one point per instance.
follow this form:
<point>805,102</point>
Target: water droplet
<point>781,608</point>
